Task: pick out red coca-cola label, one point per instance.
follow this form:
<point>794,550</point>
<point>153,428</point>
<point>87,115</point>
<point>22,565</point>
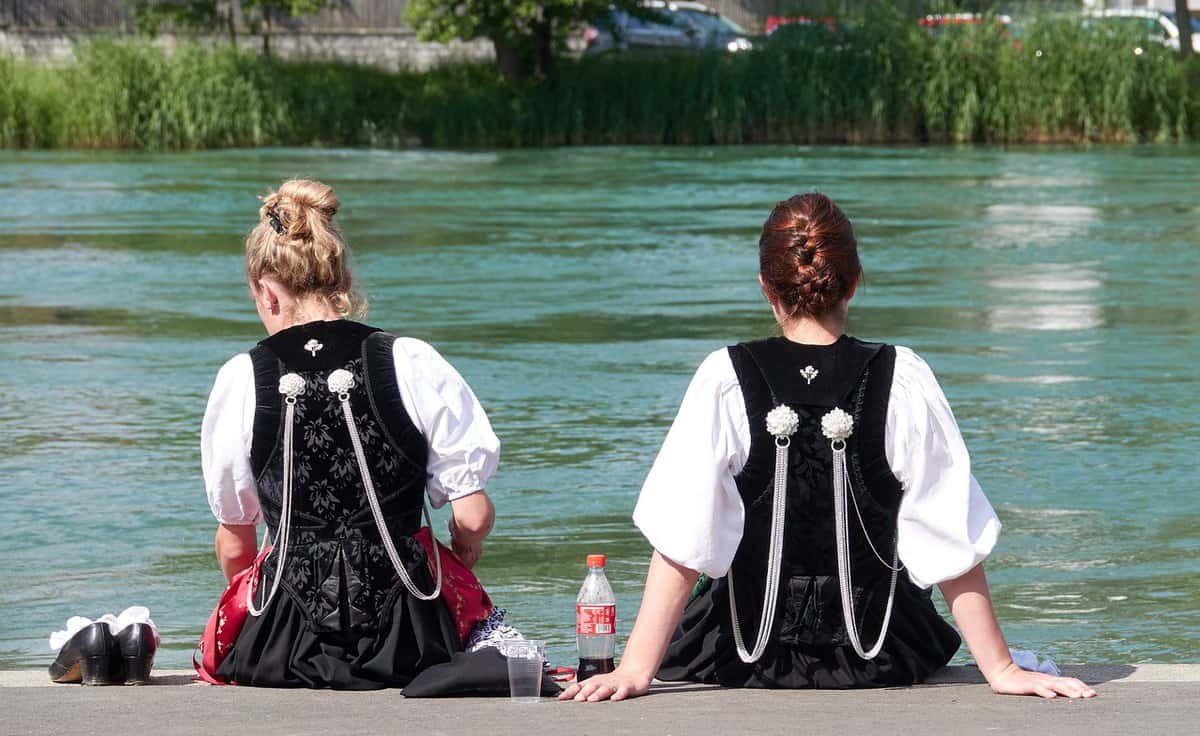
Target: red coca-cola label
<point>591,620</point>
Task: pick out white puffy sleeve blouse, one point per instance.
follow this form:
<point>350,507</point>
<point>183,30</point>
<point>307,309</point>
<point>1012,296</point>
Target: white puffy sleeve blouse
<point>463,450</point>
<point>690,510</point>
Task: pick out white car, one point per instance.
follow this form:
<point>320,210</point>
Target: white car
<point>1154,23</point>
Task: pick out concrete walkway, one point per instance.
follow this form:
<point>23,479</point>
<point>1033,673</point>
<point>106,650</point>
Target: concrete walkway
<point>1145,700</point>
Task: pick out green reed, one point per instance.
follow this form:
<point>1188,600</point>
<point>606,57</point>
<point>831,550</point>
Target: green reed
<point>878,77</point>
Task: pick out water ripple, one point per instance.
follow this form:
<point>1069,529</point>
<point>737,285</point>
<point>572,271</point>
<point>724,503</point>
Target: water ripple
<point>577,290</point>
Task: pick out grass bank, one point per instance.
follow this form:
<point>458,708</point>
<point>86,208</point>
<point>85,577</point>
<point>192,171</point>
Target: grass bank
<point>886,80</point>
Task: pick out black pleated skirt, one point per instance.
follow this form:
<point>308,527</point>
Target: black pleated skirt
<point>919,642</point>
<point>281,649</point>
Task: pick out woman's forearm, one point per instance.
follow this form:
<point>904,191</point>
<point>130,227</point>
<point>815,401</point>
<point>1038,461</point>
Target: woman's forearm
<point>236,545</point>
<point>471,520</point>
<point>472,517</point>
<point>668,587</point>
<point>971,605</point>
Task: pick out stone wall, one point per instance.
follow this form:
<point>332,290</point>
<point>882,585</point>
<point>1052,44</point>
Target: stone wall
<point>388,50</point>
<point>43,48</point>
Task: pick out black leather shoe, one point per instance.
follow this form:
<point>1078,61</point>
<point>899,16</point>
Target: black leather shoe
<point>137,647</point>
<point>90,657</point>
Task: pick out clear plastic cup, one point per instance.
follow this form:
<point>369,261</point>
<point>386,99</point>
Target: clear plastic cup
<point>525,669</point>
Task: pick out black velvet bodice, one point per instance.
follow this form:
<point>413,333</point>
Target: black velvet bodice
<point>337,569</point>
<point>855,376</point>
<point>809,647</point>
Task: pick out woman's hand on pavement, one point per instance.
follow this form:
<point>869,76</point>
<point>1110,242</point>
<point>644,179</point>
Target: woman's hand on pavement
<point>1013,680</point>
<point>616,685</point>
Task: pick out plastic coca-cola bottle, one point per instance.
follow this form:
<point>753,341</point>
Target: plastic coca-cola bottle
<point>595,621</point>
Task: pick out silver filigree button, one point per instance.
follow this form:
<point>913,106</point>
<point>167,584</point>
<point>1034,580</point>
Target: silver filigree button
<point>291,385</point>
<point>340,382</point>
<point>809,373</point>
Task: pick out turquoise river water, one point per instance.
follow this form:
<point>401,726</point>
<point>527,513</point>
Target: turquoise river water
<point>1054,292</point>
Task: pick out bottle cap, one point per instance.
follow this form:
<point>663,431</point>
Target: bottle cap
<point>596,560</point>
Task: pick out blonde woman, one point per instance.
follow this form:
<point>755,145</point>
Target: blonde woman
<point>333,433</point>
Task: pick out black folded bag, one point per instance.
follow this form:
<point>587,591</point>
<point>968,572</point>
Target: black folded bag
<point>481,674</point>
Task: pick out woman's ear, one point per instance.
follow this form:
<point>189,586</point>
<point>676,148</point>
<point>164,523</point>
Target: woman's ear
<point>779,314</point>
<point>267,296</point>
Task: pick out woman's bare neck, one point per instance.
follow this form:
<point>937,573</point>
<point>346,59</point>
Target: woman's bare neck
<point>823,330</point>
<point>304,311</point>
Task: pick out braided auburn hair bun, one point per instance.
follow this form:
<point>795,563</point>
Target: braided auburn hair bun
<point>808,255</point>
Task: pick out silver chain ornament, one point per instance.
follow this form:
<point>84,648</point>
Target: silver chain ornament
<point>837,425</point>
<point>291,386</point>
<point>340,383</point>
<point>782,423</point>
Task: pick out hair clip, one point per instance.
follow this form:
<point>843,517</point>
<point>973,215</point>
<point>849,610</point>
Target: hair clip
<point>273,219</point>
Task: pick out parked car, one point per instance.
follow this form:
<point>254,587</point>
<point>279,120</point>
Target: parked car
<point>1195,14</point>
<point>935,22</point>
<point>775,22</point>
<point>1157,25</point>
<point>668,26</point>
<point>938,23</point>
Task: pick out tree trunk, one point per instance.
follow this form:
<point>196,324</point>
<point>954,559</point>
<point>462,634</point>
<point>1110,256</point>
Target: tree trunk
<point>266,30</point>
<point>234,10</point>
<point>543,47</point>
<point>511,63</point>
<point>1183,18</point>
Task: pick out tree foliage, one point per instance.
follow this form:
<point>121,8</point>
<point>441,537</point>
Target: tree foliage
<point>294,8</point>
<point>207,15</point>
<point>191,15</point>
<point>527,34</point>
<point>269,10</point>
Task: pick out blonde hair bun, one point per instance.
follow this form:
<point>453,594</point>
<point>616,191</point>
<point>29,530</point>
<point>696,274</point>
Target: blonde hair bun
<point>304,207</point>
<point>298,243</point>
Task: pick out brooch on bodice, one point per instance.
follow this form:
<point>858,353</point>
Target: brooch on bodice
<point>313,346</point>
<point>808,373</point>
<point>837,425</point>
<point>291,385</point>
<point>782,422</point>
<point>340,382</point>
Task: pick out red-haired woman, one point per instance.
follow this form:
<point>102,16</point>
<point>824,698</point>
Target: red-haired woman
<point>821,486</point>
